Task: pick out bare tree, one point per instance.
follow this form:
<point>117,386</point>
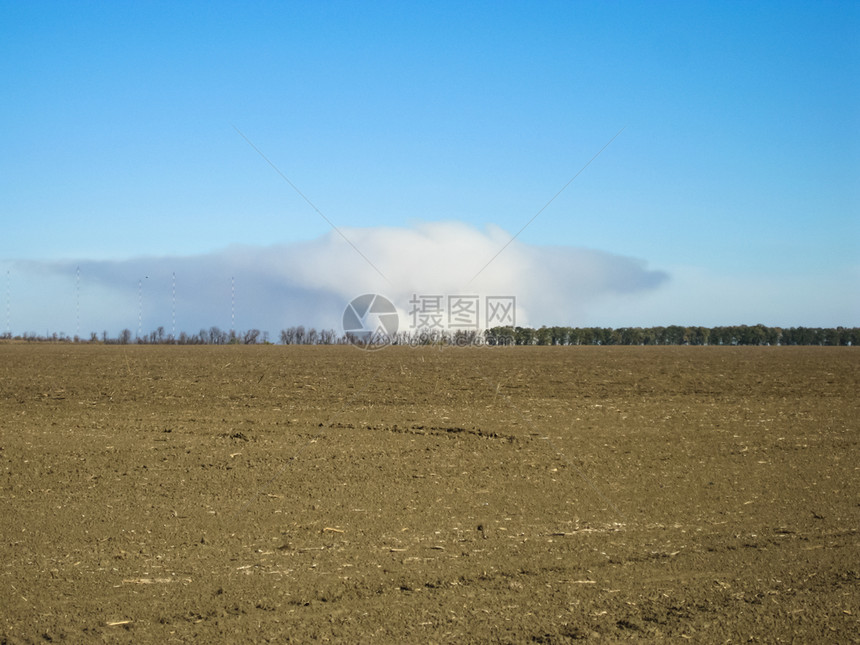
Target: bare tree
<point>288,336</point>
<point>216,336</point>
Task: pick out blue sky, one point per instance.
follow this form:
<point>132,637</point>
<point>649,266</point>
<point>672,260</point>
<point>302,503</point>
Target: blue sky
<point>733,186</point>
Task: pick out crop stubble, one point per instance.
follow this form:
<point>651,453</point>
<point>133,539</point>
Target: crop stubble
<point>526,494</point>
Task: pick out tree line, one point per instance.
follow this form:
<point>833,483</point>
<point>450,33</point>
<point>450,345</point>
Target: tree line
<point>496,336</point>
<point>675,335</point>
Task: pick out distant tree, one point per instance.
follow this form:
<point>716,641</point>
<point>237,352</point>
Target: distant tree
<point>503,335</point>
<point>629,336</point>
<point>524,335</point>
<point>829,337</point>
<point>125,337</point>
<point>557,336</point>
<point>675,335</point>
<point>697,335</point>
<point>758,335</point>
<point>543,336</point>
<point>774,335</point>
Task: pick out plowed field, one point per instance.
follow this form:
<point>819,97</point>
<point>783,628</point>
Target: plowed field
<point>516,495</point>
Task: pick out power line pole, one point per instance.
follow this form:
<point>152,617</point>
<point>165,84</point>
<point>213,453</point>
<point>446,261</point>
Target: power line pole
<point>139,307</point>
<point>9,303</point>
<point>77,303</point>
<point>173,333</point>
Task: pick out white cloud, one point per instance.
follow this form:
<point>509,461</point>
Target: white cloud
<point>310,283</point>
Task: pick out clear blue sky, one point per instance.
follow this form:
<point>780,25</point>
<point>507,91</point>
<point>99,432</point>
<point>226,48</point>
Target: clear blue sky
<point>739,163</point>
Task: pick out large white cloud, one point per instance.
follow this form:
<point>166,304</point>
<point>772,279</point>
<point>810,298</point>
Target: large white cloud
<point>311,282</point>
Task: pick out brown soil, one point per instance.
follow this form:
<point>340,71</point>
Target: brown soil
<point>516,495</point>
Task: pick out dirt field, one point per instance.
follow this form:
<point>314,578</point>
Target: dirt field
<point>516,495</point>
